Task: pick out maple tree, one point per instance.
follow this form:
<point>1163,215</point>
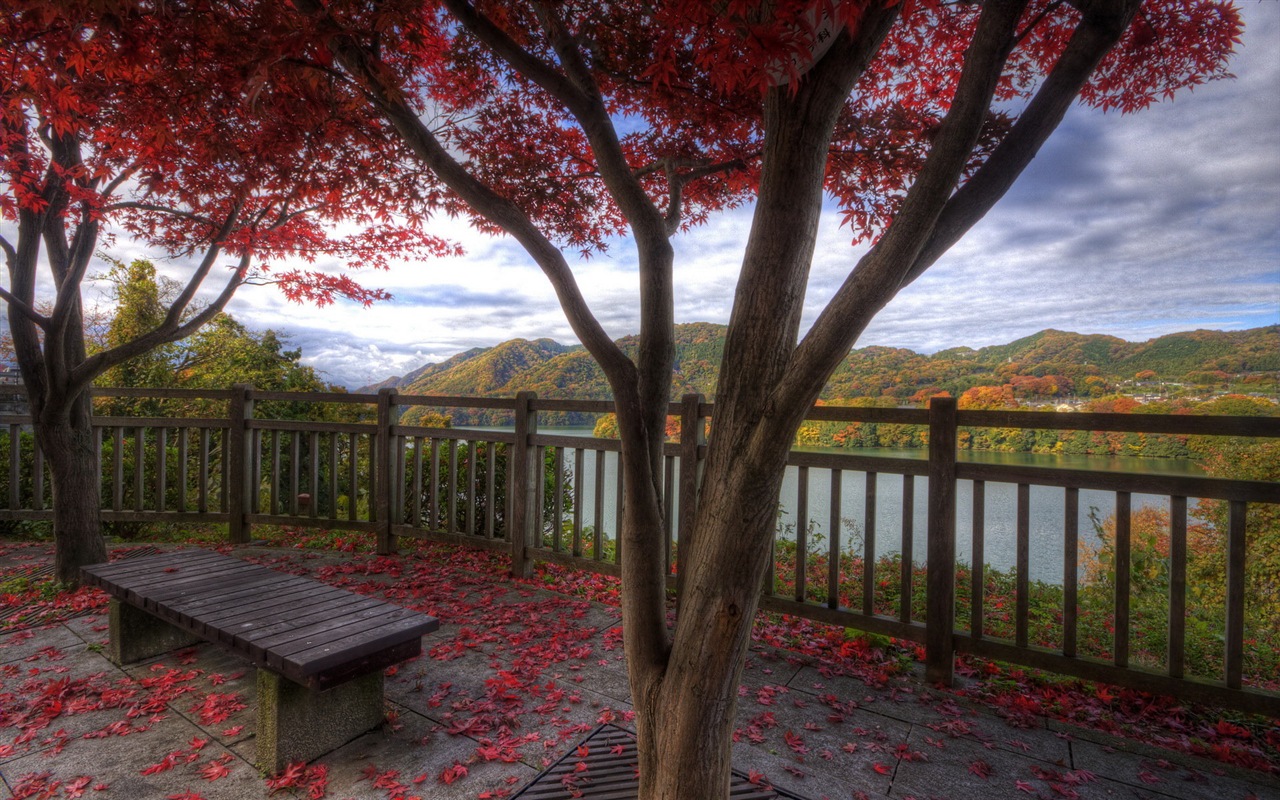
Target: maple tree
<point>120,120</point>
<point>565,124</point>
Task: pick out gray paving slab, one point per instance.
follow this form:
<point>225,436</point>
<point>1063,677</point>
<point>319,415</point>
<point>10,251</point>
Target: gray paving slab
<point>851,739</point>
<point>126,766</point>
<point>1150,770</point>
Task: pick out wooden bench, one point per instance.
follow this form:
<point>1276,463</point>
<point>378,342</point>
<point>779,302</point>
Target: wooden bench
<point>320,650</point>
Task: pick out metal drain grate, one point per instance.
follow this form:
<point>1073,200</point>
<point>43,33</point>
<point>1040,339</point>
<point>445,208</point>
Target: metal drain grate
<point>608,756</point>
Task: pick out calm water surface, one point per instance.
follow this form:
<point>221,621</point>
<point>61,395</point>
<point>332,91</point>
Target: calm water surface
<point>1000,507</point>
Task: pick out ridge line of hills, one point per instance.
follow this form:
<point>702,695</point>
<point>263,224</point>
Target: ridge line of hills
<point>1049,366</point>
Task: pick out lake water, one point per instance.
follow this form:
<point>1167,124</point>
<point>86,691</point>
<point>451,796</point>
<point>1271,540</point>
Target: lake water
<point>1000,506</point>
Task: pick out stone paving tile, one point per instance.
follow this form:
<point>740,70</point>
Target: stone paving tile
<point>118,764</point>
<point>860,748</point>
<point>882,726</point>
<point>1155,772</point>
<point>415,754</point>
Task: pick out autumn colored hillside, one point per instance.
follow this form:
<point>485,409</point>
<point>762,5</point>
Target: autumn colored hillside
<point>1047,367</point>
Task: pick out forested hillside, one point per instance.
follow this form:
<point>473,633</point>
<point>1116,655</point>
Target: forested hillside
<point>1047,367</point>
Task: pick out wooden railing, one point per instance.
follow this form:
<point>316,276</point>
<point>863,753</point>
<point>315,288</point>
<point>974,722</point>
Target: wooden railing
<point>541,495</point>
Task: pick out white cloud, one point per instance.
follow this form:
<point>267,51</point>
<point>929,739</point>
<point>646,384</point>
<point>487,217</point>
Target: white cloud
<point>1135,226</point>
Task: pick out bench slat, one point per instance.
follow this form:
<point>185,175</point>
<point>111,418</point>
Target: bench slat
<point>189,608</point>
<point>150,565</point>
<point>328,628</point>
<point>285,599</point>
<point>156,590</point>
<point>335,653</point>
<point>249,631</point>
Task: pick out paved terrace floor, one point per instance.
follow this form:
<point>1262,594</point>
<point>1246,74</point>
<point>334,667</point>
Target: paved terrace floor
<point>513,680</point>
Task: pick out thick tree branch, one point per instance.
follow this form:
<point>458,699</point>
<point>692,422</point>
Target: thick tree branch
<point>26,311</point>
<point>1089,44</point>
<point>878,275</point>
<point>180,303</point>
<point>169,330</point>
<point>10,253</point>
<point>360,64</point>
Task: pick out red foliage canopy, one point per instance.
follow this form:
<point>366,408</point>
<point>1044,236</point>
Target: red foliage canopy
<point>683,82</point>
<point>154,123</point>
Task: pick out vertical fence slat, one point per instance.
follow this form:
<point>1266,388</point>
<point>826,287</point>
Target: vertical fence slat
<point>490,490</point>
<point>416,511</point>
<point>579,464</point>
<point>451,524</point>
<point>333,475</point>
<point>139,471</point>
<point>833,544</point>
<point>397,488</point>
<point>382,465</point>
<point>313,463</point>
<point>1233,661</point>
<point>225,488</point>
<point>619,507</point>
<point>557,502</point>
<point>97,459</point>
<point>693,434</point>
<point>295,472</point>
<point>117,468</point>
<point>524,475</point>
<point>802,532</point>
<point>238,449</point>
<point>597,549</point>
<point>162,467</point>
<point>940,588</point>
<point>668,520</point>
<point>1177,585</point>
<point>869,545</point>
<point>472,478</point>
<point>202,488</point>
<point>908,545</point>
<point>433,501</point>
<point>275,503</point>
<point>37,477</point>
<point>353,485</point>
<point>1070,569</point>
<point>184,439</point>
<point>15,467</point>
<point>977,576</point>
<point>1122,566</point>
<point>1023,600</point>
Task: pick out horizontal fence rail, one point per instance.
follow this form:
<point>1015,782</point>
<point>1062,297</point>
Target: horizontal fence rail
<point>889,566</point>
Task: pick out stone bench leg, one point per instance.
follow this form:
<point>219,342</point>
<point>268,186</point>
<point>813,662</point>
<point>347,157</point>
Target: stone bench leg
<point>137,635</point>
<point>300,724</point>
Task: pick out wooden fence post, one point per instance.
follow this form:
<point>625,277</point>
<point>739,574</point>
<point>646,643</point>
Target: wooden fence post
<point>384,472</point>
<point>523,491</point>
<point>693,435</point>
<point>237,449</point>
<point>940,611</point>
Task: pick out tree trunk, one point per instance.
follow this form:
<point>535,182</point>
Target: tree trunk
<point>685,718</point>
<point>68,446</point>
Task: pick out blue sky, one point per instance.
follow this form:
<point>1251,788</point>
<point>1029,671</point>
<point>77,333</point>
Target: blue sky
<point>1134,226</point>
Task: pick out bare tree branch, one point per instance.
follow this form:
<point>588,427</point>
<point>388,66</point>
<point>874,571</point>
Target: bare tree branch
<point>168,210</point>
<point>505,214</point>
<point>1092,40</point>
<point>169,330</point>
<point>878,275</point>
<point>17,304</point>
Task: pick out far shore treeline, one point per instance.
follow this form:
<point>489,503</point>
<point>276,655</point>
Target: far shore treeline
<point>1201,372</point>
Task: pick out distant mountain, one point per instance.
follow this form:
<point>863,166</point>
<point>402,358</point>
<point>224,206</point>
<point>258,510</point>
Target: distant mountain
<point>1077,364</point>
